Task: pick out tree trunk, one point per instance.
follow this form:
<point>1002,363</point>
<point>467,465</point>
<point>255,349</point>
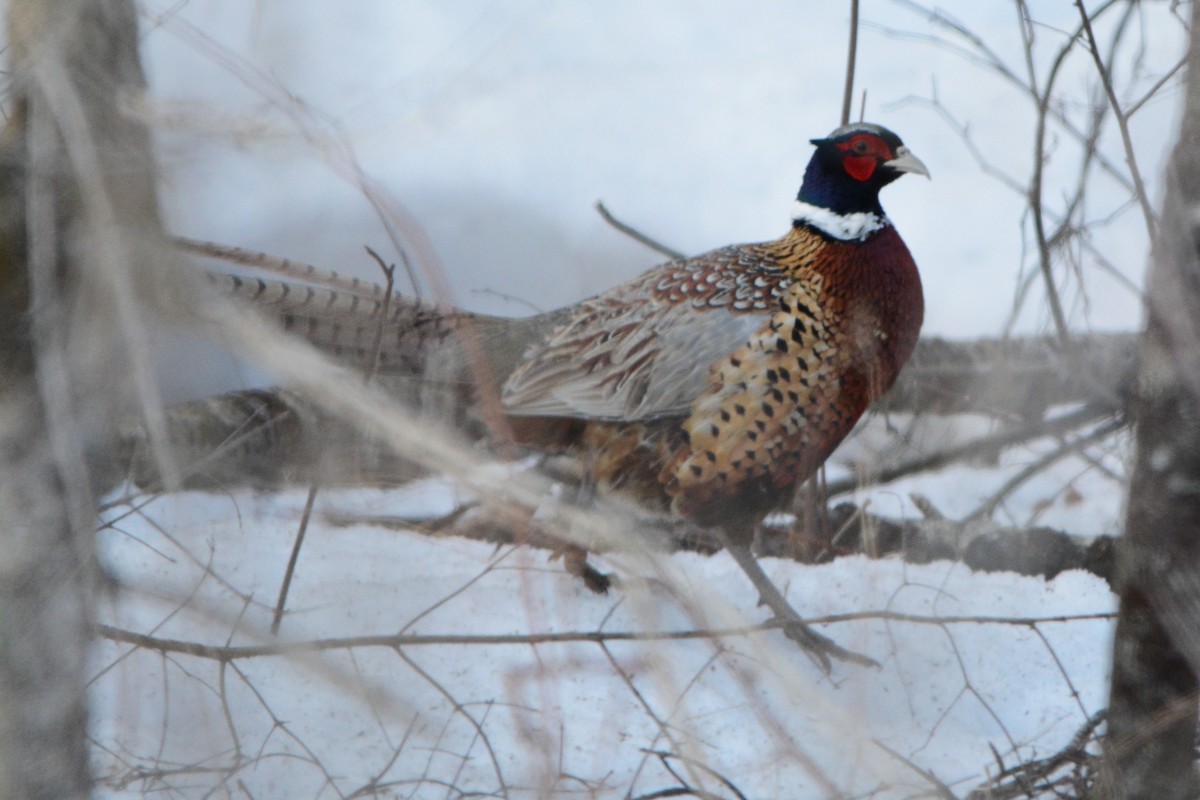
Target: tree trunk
<point>1153,704</point>
<point>77,216</point>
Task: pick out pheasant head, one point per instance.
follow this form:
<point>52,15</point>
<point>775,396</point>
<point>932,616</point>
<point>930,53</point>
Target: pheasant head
<point>840,193</point>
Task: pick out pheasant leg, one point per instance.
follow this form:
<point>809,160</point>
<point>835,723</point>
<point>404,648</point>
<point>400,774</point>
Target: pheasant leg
<point>820,648</point>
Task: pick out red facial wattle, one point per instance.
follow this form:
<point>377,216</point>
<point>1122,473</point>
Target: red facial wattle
<point>861,168</point>
<point>864,153</point>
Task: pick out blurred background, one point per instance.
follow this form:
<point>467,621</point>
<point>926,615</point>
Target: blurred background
<point>488,131</point>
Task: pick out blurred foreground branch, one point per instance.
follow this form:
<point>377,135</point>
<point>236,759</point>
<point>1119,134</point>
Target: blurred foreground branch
<point>78,217</point>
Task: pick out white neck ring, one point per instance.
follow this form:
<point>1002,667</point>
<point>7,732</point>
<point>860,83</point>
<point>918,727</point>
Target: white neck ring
<point>853,227</point>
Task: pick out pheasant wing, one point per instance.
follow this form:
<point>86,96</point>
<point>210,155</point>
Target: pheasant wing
<point>645,350</point>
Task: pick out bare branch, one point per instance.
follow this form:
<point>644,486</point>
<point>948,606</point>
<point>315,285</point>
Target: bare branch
<point>290,570</point>
<point>635,234</point>
<point>392,641</point>
<point>851,55</point>
<point>1153,90</point>
<point>1135,173</point>
<point>1041,464</point>
<point>984,445</point>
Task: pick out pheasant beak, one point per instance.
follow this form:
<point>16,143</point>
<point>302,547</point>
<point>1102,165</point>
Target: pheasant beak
<point>907,162</point>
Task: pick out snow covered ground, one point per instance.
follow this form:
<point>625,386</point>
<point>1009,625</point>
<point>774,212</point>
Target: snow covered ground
<point>446,695</point>
<point>580,717</point>
<point>498,126</point>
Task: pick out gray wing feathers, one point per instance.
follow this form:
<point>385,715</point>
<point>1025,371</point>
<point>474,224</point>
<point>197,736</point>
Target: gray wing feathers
<point>627,361</point>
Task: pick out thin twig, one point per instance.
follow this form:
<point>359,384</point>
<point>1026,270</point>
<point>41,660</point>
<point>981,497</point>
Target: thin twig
<point>1153,90</point>
<point>939,786</point>
<point>664,729</point>
<point>1021,775</point>
<point>637,235</point>
<point>460,709</point>
<point>1015,482</point>
<point>1139,186</point>
<point>1091,153</point>
<point>1062,668</point>
<point>990,60</point>
<point>389,288</point>
<point>851,54</point>
<point>664,756</point>
<point>293,558</point>
<point>985,444</point>
<point>392,641</point>
<point>1042,99</point>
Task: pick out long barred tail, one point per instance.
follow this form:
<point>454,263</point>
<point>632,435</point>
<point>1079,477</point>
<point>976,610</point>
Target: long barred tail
<point>394,335</point>
<point>438,361</point>
<point>441,362</point>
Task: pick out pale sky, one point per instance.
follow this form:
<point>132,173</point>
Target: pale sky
<point>498,126</point>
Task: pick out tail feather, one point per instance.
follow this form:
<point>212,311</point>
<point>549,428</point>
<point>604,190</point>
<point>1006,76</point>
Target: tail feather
<point>397,336</point>
<point>439,361</point>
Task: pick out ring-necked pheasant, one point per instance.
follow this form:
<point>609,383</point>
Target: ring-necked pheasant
<point>710,385</point>
<point>724,379</point>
